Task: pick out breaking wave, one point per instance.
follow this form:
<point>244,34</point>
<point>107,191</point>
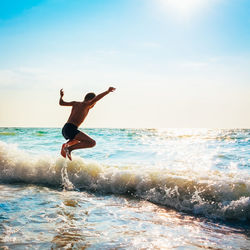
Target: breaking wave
<point>210,193</point>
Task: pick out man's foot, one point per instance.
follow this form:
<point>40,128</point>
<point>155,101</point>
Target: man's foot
<point>63,152</point>
<point>65,147</point>
<point>68,153</point>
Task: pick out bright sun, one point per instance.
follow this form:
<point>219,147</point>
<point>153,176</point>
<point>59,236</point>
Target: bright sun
<point>184,8</point>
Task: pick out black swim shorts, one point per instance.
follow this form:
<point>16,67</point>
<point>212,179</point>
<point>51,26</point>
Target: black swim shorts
<point>69,131</point>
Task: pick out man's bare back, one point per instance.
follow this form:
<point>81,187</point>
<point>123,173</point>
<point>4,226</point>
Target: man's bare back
<point>79,112</point>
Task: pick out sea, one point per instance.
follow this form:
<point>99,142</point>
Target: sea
<point>136,189</point>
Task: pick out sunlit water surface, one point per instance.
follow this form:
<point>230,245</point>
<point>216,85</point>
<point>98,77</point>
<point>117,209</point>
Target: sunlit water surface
<point>137,189</point>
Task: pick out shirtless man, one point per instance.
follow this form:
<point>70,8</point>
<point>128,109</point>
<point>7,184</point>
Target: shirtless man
<point>77,139</point>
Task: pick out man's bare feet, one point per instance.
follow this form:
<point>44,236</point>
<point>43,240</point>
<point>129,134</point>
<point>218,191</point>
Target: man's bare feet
<point>68,153</point>
<point>63,152</point>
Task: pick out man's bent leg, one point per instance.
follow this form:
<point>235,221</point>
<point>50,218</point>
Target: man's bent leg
<point>84,142</point>
<point>72,142</point>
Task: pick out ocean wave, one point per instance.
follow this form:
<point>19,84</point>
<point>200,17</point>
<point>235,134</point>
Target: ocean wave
<point>210,193</point>
<point>40,133</point>
<point>230,135</point>
<point>7,133</point>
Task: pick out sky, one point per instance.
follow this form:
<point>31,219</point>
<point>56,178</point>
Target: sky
<point>174,63</point>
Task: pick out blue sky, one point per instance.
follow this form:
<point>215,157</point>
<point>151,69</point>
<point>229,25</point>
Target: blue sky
<point>174,65</point>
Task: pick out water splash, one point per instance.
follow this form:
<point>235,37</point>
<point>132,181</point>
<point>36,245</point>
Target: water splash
<point>66,183</point>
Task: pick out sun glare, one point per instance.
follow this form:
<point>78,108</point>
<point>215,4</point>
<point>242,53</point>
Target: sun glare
<point>183,8</point>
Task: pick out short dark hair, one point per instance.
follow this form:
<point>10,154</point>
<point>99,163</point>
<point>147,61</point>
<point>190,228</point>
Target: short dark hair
<point>89,96</point>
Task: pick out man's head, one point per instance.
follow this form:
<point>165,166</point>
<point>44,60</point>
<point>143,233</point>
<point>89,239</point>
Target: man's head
<point>89,96</point>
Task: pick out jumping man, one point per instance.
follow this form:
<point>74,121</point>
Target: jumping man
<point>77,139</point>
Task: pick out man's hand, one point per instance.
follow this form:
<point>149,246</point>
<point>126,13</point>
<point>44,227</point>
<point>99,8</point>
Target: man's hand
<point>111,89</point>
<point>61,93</point>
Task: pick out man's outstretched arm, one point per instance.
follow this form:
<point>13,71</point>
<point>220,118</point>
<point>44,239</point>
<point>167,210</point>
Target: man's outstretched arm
<point>62,102</point>
<point>100,96</point>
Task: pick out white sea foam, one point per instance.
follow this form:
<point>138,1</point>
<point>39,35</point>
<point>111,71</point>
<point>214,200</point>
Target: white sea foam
<point>209,192</point>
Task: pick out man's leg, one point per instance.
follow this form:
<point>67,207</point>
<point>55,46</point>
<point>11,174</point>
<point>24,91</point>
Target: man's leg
<point>71,142</point>
<point>84,142</point>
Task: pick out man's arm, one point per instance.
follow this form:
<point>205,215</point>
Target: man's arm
<point>100,96</point>
<point>62,102</point>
